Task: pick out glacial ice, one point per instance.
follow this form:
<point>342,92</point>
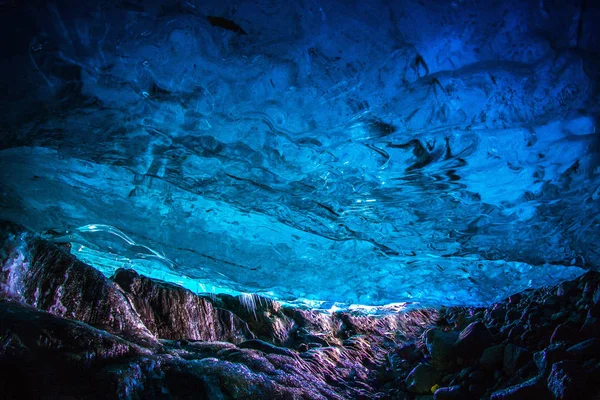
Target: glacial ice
<point>337,154</point>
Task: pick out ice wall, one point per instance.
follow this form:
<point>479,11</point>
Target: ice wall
<point>352,152</point>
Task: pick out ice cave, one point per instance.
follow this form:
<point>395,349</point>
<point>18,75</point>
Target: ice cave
<point>377,199</point>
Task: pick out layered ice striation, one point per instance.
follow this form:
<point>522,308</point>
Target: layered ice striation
<point>327,152</point>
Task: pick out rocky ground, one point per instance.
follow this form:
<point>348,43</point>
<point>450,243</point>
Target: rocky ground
<point>68,332</point>
<point>538,344</point>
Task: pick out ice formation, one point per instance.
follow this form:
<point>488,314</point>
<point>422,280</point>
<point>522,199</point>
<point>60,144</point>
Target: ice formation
<point>332,153</point>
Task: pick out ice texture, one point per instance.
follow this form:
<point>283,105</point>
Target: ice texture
<point>334,153</point>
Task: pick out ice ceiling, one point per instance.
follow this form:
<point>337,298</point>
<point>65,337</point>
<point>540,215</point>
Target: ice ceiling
<point>327,152</point>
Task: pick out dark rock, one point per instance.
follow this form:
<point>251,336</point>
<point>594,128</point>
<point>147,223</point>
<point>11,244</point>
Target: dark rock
<point>531,389</point>
<point>473,340</point>
<point>440,346</point>
<point>505,329</point>
<point>478,315</point>
<point>464,373</point>
<point>70,359</point>
<point>560,316</point>
<point>515,298</point>
<point>124,380</point>
<point>447,379</point>
<point>564,332</point>
<point>306,338</point>
<point>411,323</point>
<point>496,313</point>
<point>566,289</point>
<point>498,375</point>
<point>590,327</point>
<point>529,337</point>
<point>341,352</point>
<point>312,327</point>
<point>531,316</point>
<point>172,312</point>
<point>512,315</point>
<point>550,303</point>
<point>409,352</point>
<point>596,296</point>
<point>575,319</point>
<point>52,354</point>
<point>589,289</point>
<point>492,358</point>
<point>527,370</point>
<point>514,358</point>
<point>516,332</point>
<point>476,376</point>
<point>56,282</point>
<point>421,397</point>
<point>583,304</point>
<point>449,393</point>
<point>591,369</point>
<point>302,347</point>
<point>267,319</point>
<point>24,329</point>
<point>545,358</point>
<point>565,381</point>
<point>587,349</point>
<point>422,379</point>
<point>477,390</point>
<point>265,347</point>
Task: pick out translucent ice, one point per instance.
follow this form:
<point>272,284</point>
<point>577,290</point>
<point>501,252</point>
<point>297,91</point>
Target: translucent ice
<point>332,153</point>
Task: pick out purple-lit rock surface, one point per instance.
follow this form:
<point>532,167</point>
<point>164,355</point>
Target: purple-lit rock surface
<point>143,338</point>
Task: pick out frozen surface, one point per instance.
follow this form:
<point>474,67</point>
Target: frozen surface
<point>332,153</point>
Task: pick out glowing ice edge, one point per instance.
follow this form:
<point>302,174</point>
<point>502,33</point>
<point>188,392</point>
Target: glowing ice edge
<point>152,264</point>
<point>108,263</point>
